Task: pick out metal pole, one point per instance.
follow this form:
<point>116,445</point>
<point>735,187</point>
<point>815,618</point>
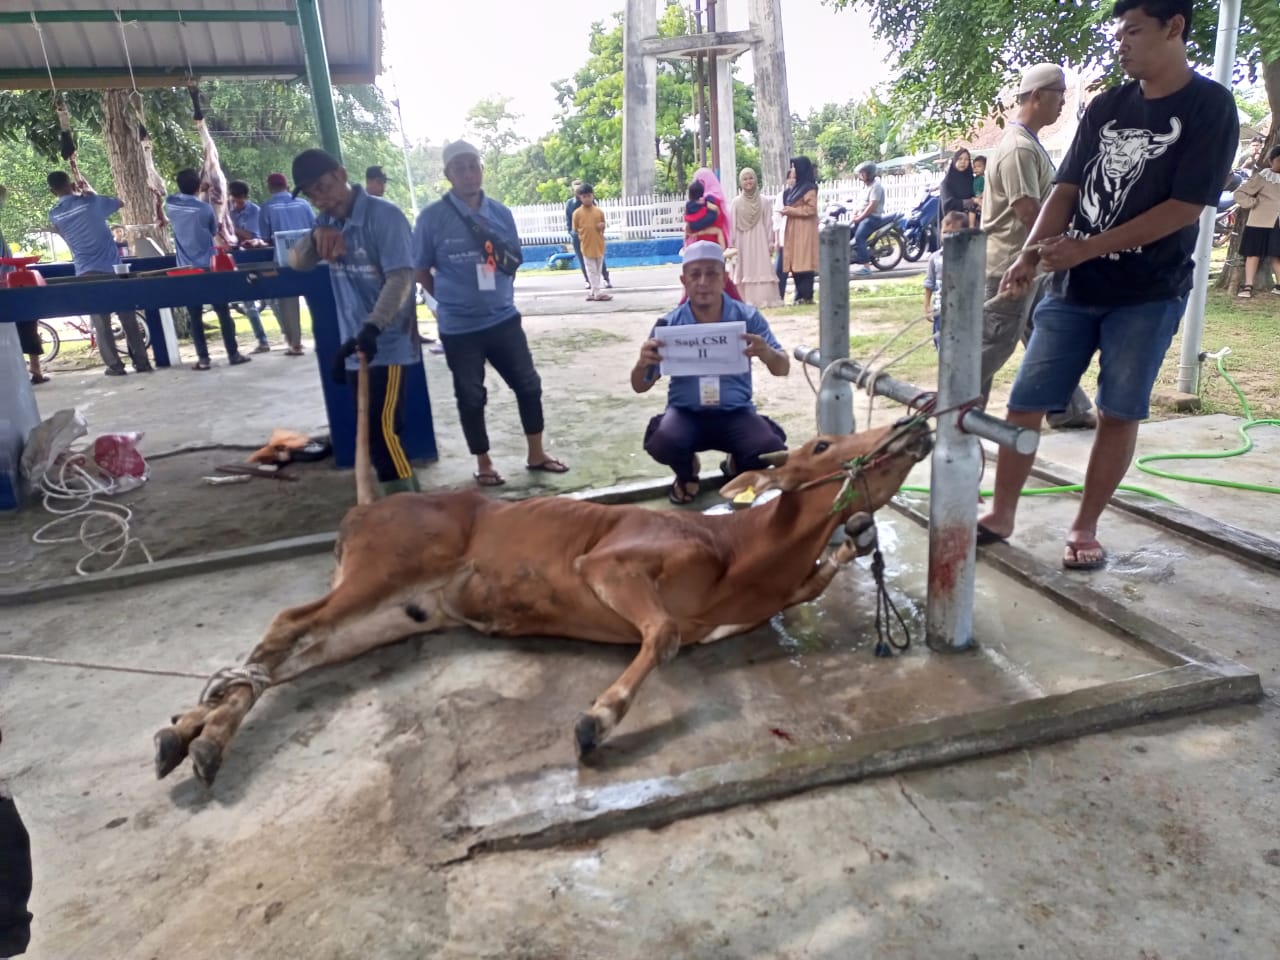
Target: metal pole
<point>317,62</point>
<point>404,150</point>
<point>1224,59</point>
<point>956,470</point>
<point>835,396</point>
<point>713,91</point>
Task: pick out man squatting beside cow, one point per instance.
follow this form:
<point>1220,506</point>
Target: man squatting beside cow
<point>1118,232</point>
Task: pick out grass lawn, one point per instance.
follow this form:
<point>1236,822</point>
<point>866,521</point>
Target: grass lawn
<point>1251,328</point>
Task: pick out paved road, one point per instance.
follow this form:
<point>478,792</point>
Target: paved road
<point>634,288</point>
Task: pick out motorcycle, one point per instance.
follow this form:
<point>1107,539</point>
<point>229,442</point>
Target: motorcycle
<point>1224,223</point>
<point>919,228</point>
<point>885,243</point>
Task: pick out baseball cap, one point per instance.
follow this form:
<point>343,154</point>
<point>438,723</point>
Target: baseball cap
<point>1041,77</point>
<point>458,148</point>
<point>309,166</point>
<point>277,181</point>
<point>702,250</point>
<point>374,173</point>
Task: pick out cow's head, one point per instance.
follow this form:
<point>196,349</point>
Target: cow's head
<point>889,452</point>
<point>1124,151</point>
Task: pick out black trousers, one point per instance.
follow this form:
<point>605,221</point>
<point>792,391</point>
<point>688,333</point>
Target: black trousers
<point>804,284</point>
<point>507,349</point>
<point>15,881</point>
<point>228,326</point>
<point>780,274</point>
<point>386,420</point>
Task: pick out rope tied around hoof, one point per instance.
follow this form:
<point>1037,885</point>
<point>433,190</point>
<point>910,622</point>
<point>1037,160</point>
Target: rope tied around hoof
<point>253,675</point>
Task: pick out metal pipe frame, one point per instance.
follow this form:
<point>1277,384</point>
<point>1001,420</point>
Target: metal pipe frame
<point>957,457</point>
<point>151,16</point>
<point>835,399</point>
<point>318,79</point>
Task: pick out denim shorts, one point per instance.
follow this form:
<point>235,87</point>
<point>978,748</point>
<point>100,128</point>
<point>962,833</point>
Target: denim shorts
<point>1130,341</point>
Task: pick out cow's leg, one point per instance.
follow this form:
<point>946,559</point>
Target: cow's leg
<point>347,622</point>
<point>860,542</point>
<point>626,586</point>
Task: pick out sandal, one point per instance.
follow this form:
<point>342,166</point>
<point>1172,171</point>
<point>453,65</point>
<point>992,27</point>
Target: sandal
<point>680,495</point>
<point>1071,558</point>
<point>39,378</point>
<point>549,465</point>
<point>488,478</point>
<point>1245,292</point>
<point>202,365</point>
<point>238,359</point>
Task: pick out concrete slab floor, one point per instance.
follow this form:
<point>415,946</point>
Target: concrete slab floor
<point>343,789</point>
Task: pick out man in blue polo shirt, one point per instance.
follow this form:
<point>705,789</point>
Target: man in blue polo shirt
<point>82,222</point>
<point>245,219</point>
<point>714,412</point>
<point>367,244</point>
<point>283,211</point>
<point>194,227</point>
<point>476,308</point>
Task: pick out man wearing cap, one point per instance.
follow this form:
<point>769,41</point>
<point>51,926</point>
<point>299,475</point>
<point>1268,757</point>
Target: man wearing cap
<point>1019,178</point>
<point>570,207</point>
<point>375,181</point>
<point>710,413</point>
<point>367,244</point>
<point>476,308</point>
<point>283,211</point>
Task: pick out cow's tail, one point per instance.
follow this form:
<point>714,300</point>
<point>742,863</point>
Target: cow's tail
<point>364,466</point>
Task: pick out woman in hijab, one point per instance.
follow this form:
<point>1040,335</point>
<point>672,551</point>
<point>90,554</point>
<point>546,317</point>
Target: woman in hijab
<point>753,239</point>
<point>800,246</point>
<point>957,186</point>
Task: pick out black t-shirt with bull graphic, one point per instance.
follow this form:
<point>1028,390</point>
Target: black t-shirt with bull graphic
<point>1131,154</point>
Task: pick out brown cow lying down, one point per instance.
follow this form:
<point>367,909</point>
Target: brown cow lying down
<point>551,566</point>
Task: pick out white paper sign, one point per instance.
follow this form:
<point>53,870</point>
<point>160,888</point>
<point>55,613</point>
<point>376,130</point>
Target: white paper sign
<point>703,349</point>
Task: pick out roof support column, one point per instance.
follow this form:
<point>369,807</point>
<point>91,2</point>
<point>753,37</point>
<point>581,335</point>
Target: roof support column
<point>317,62</point>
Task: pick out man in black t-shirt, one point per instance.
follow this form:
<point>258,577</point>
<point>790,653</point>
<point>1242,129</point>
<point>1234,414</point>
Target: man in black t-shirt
<point>1118,232</point>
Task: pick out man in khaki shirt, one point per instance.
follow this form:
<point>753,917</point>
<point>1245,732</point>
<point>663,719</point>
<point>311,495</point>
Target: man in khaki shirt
<point>1018,180</point>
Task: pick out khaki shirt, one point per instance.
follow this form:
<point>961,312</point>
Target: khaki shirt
<point>586,223</point>
<point>1020,167</point>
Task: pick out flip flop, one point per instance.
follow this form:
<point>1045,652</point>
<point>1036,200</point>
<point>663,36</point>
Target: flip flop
<point>681,497</point>
<point>202,365</point>
<point>1074,563</point>
<point>238,359</point>
<point>987,536</point>
<point>549,465</point>
<point>40,379</point>
<point>488,478</point>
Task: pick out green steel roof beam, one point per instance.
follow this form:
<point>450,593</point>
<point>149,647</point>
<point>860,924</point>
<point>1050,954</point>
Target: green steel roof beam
<point>152,16</point>
<point>318,78</point>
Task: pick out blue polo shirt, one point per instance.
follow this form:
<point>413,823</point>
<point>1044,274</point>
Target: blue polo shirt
<point>283,211</point>
<point>193,228</point>
<point>442,241</point>
<point>378,241</point>
<point>246,218</point>
<point>735,389</point>
<point>82,221</point>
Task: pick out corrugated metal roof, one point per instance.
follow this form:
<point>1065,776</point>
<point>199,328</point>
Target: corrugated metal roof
<point>168,39</point>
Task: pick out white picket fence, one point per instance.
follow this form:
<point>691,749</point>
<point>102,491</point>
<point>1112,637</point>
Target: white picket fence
<point>647,217</point>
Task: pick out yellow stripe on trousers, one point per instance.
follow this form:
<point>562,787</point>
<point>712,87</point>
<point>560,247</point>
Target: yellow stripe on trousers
<point>389,400</point>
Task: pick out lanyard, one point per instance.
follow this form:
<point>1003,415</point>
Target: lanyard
<point>1032,135</point>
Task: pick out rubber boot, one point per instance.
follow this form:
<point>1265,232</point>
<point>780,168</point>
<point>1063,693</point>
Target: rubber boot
<point>406,485</point>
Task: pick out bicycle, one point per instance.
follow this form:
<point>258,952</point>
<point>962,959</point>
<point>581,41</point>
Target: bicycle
<point>52,340</point>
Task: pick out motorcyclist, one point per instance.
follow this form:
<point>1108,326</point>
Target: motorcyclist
<point>870,217</point>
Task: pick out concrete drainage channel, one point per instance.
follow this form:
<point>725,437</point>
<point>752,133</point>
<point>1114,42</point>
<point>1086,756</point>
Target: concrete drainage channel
<point>793,706</point>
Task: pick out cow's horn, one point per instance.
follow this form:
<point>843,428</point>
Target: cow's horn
<point>775,459</point>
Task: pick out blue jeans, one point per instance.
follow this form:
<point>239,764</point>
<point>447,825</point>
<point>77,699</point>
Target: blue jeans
<point>250,310</point>
<point>1130,341</point>
<point>862,255</point>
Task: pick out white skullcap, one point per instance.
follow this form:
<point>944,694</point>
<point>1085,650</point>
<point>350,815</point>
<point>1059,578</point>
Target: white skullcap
<point>702,250</point>
<point>458,148</point>
<point>1041,77</point>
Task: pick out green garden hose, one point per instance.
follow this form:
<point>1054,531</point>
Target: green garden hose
<point>1246,444</point>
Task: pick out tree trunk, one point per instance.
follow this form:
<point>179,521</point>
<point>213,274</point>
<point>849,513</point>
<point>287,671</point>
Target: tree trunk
<point>129,170</point>
<point>1233,271</point>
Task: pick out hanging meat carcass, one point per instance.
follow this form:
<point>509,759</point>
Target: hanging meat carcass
<point>67,147</point>
<point>213,182</point>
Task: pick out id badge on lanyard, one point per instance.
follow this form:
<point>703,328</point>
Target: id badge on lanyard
<point>487,270</point>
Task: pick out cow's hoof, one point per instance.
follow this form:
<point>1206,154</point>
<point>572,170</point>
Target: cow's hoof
<point>171,750</point>
<point>206,759</point>
<point>588,732</point>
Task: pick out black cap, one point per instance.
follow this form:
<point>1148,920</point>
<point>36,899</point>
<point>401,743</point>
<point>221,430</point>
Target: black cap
<point>309,166</point>
<point>374,173</point>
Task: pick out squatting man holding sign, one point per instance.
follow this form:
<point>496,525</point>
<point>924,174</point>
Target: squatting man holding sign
<point>708,409</point>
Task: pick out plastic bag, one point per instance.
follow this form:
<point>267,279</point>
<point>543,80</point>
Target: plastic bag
<point>116,455</point>
<point>49,441</point>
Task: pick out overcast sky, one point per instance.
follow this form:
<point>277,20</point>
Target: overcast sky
<point>444,64</point>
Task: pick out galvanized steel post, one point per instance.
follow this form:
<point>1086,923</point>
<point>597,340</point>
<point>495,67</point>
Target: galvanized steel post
<point>317,62</point>
<point>835,396</point>
<point>957,457</point>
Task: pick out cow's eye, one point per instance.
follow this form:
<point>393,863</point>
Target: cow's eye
<point>821,447</point>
